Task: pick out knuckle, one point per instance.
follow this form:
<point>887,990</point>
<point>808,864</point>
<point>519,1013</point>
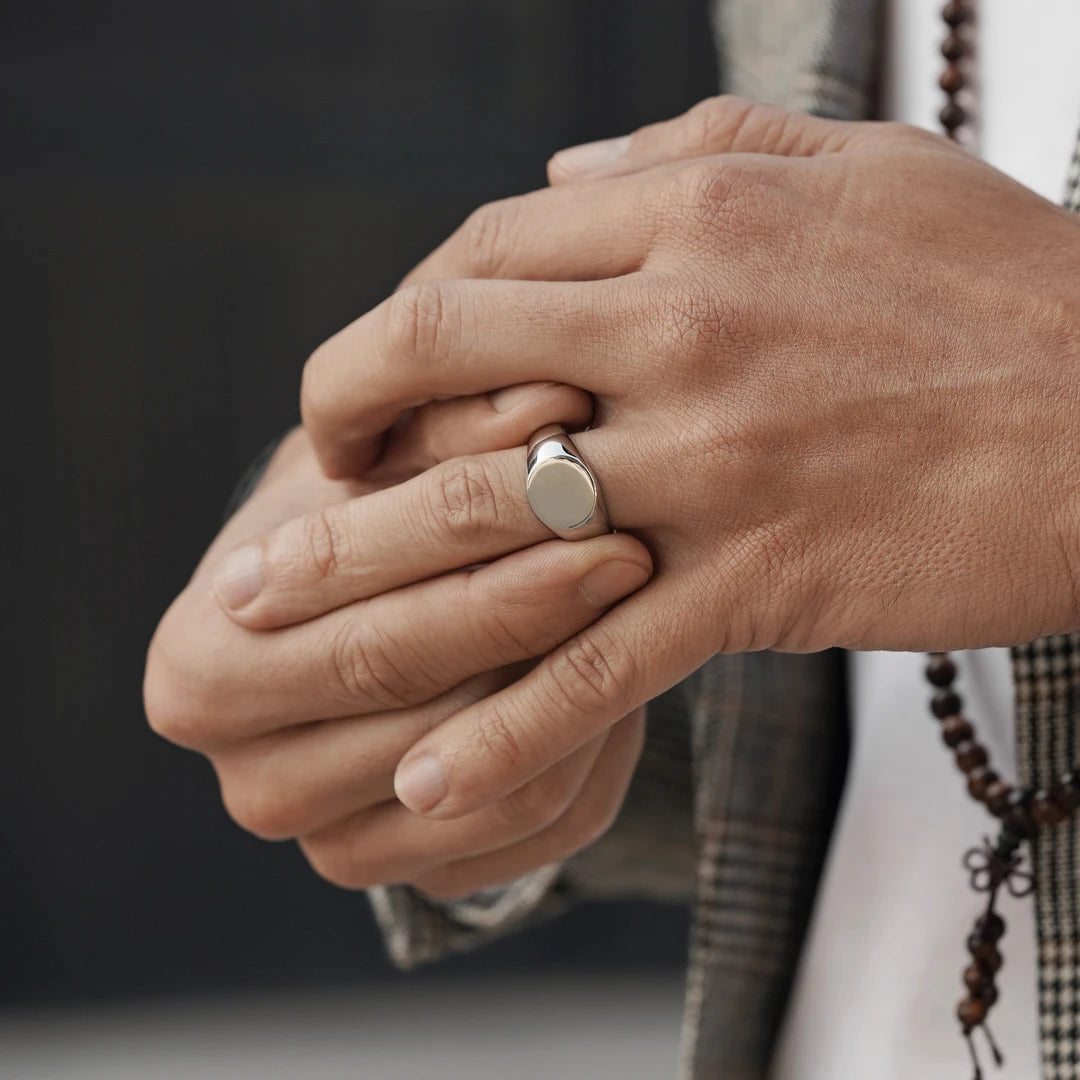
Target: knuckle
<point>334,861</point>
<point>540,802</point>
<point>499,739</point>
<point>419,321</point>
<point>696,323</point>
<point>726,191</point>
<point>483,238</point>
<point>159,698</point>
<point>261,810</point>
<point>316,403</point>
<point>178,698</point>
<point>463,496</point>
<point>324,544</point>
<point>772,553</point>
<point>188,728</point>
<point>363,667</point>
<point>169,713</point>
<point>711,122</point>
<point>591,671</point>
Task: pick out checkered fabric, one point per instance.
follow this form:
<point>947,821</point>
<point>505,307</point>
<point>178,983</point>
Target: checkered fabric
<point>1047,677</point>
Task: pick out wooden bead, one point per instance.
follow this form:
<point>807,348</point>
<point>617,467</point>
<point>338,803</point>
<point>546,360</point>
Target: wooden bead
<point>953,47</point>
<point>952,116</point>
<point>990,927</point>
<point>985,954</point>
<point>979,780</point>
<point>988,995</point>
<point>940,670</point>
<point>971,755</point>
<point>1044,811</point>
<point>952,82</point>
<point>972,1012</point>
<point>997,796</point>
<point>946,703</point>
<point>976,980</point>
<point>956,730</point>
<point>956,13</point>
<point>1017,813</point>
<point>1066,791</point>
<point>1066,798</point>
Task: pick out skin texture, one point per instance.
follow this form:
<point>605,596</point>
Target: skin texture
<point>305,718</point>
<point>835,368</point>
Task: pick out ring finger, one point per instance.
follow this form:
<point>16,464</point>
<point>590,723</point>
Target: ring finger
<point>443,339</point>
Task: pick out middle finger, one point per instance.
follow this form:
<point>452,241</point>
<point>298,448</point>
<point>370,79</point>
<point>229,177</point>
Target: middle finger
<point>442,339</point>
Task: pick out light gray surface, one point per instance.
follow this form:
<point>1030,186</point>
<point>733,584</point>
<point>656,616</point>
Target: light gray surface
<point>532,1029</point>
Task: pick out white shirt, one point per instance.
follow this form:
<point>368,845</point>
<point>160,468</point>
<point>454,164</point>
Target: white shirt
<point>881,975</point>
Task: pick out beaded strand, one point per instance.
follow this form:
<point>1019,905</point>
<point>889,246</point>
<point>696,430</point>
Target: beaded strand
<point>1021,811</point>
<point>956,48</point>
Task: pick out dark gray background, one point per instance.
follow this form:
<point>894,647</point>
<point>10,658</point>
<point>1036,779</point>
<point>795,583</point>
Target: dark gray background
<point>193,196</point>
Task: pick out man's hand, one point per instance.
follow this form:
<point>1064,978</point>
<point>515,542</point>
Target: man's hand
<point>306,722</point>
<point>836,368</point>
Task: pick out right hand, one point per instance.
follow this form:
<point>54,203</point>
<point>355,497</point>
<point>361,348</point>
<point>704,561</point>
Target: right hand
<point>305,719</point>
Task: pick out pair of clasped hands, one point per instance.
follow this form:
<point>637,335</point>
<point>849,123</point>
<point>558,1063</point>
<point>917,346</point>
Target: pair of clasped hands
<point>831,375</point>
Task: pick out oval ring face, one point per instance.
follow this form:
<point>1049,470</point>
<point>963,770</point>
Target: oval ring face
<point>561,492</point>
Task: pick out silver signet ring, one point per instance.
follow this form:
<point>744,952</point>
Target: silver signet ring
<point>561,488</point>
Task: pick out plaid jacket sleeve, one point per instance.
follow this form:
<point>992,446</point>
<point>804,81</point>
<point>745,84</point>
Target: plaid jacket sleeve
<point>648,853</point>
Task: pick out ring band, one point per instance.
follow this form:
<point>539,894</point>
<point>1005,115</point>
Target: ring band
<point>561,488</point>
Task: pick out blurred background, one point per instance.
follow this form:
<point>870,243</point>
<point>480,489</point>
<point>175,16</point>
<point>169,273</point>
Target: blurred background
<point>193,197</point>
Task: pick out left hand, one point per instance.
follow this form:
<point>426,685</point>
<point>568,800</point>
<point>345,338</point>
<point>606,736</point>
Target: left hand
<point>837,369</point>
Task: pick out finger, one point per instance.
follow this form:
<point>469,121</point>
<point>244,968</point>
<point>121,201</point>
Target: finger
<point>446,339</point>
<point>480,424</point>
<point>596,232</point>
<point>458,514</point>
<point>718,125</point>
<point>484,752</point>
<point>292,484</point>
<point>389,844</point>
<point>590,816</point>
<point>306,777</point>
<point>463,512</point>
<point>403,647</point>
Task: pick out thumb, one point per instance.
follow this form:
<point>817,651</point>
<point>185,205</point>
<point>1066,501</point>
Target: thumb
<point>718,125</point>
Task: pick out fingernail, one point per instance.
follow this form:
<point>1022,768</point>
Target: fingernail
<point>421,783</point>
<point>612,581</point>
<point>240,578</point>
<point>588,157</point>
<point>512,397</point>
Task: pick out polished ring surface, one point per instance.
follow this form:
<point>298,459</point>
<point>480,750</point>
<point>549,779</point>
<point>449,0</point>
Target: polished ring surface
<point>561,488</point>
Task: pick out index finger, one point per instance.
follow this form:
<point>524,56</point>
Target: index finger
<point>442,339</point>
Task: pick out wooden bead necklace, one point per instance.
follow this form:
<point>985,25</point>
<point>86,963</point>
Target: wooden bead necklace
<point>996,864</point>
<point>956,48</point>
<point>1021,811</point>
